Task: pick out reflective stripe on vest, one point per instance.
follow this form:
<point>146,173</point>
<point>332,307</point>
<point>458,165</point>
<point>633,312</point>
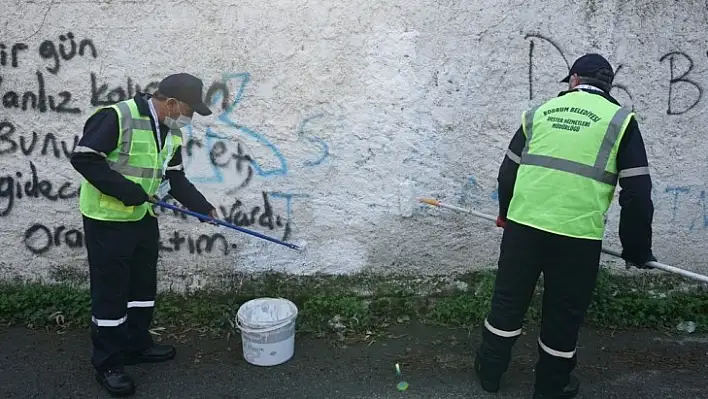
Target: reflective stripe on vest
<point>595,172</point>
<point>129,123</point>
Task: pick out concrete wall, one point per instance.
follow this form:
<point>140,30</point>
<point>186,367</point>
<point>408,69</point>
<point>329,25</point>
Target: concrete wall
<point>335,115</point>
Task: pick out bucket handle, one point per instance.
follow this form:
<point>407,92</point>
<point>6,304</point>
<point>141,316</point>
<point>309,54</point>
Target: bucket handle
<point>262,330</point>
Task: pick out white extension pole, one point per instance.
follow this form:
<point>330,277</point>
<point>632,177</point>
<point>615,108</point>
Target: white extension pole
<point>654,265</point>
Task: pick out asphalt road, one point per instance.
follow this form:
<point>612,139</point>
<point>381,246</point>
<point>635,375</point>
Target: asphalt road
<point>435,361</point>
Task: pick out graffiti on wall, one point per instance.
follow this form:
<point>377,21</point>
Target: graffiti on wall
<point>685,92</point>
<point>231,155</point>
<point>693,198</point>
<point>55,54</point>
<point>548,61</point>
<point>226,145</point>
<point>40,238</point>
<point>225,150</point>
<point>27,182</point>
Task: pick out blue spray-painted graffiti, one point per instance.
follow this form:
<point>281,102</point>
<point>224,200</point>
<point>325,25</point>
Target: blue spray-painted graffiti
<point>288,197</point>
<point>693,198</point>
<point>226,118</point>
<point>225,147</point>
<point>241,80</point>
<point>236,131</point>
<point>674,204</point>
<point>704,217</point>
<point>316,140</point>
<point>471,194</point>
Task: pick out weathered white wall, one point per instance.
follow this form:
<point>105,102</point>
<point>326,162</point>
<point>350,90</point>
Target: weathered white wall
<point>348,111</point>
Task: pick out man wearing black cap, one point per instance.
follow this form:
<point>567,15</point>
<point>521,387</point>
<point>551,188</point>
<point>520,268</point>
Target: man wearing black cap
<point>130,153</point>
<point>556,183</point>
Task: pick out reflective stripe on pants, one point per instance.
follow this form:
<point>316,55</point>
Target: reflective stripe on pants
<point>501,333</point>
<point>553,352</point>
<point>108,322</point>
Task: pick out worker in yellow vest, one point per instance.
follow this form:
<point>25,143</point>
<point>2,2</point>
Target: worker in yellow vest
<point>129,153</point>
<point>556,183</point>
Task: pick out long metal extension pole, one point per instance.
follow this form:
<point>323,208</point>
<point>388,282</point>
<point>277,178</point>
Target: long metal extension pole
<point>654,265</point>
<point>226,224</point>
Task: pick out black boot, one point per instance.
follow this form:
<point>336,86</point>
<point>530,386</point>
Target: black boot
<point>569,391</point>
<point>116,382</point>
<point>489,383</point>
<point>154,354</point>
<point>492,360</point>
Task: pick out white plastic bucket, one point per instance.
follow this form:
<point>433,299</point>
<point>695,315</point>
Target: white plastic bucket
<point>267,330</point>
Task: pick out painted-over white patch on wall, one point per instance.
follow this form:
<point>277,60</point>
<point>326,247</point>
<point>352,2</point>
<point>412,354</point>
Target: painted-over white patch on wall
<point>331,117</point>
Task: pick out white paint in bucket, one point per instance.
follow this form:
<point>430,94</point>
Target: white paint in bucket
<point>267,330</point>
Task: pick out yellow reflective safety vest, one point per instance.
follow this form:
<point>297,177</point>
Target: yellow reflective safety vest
<point>567,171</point>
<point>137,158</point>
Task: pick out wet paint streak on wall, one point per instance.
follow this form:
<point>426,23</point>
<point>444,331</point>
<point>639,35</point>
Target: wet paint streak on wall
<point>330,117</point>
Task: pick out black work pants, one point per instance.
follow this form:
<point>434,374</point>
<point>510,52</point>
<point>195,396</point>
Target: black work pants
<point>122,260</point>
<point>569,267</point>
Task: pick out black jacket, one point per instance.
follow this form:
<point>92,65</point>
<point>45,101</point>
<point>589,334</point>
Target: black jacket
<point>637,208</point>
<point>100,137</point>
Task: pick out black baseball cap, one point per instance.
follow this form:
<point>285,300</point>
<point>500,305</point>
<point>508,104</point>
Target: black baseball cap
<point>186,88</point>
<point>593,66</point>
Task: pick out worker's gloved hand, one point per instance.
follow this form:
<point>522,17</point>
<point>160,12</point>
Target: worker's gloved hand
<point>213,214</point>
<point>501,222</point>
<point>637,260</point>
<point>136,197</point>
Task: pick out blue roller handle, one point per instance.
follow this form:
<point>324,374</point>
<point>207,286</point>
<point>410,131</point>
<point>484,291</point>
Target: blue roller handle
<point>229,225</point>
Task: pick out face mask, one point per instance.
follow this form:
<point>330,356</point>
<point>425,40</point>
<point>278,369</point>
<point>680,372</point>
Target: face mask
<point>179,123</point>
